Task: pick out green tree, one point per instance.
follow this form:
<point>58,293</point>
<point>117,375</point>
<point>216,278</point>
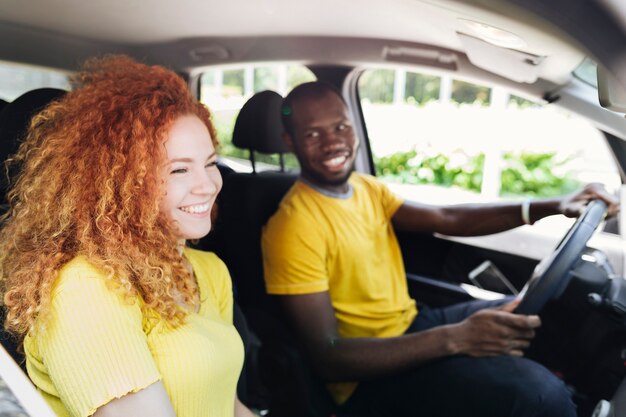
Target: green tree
<point>468,93</point>
<point>411,168</point>
<point>377,85</point>
<point>521,103</point>
<point>265,78</point>
<point>298,74</point>
<point>533,175</point>
<point>232,84</point>
<point>421,88</point>
<point>524,174</point>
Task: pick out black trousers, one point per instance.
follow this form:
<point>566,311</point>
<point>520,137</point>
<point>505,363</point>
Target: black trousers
<point>461,386</point>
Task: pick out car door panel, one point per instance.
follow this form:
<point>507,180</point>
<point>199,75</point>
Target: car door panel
<point>515,253</point>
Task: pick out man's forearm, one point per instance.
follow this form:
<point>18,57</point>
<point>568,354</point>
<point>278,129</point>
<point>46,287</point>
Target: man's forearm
<point>350,359</point>
<point>488,332</point>
<point>481,219</point>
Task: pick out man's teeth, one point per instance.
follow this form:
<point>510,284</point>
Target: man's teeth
<point>335,161</point>
<point>200,208</point>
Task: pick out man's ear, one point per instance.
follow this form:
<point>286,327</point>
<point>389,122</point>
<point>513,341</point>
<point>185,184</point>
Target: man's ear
<point>288,141</point>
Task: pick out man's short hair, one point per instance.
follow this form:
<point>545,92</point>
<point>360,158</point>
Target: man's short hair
<point>313,89</point>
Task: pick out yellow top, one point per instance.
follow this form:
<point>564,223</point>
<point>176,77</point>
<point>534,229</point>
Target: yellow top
<point>345,246</point>
<point>95,346</point>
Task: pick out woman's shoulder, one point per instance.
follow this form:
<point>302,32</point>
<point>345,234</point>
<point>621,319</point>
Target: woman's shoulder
<point>82,278</point>
<point>201,255</point>
<point>77,270</point>
<point>210,270</point>
<point>204,259</point>
<point>79,264</point>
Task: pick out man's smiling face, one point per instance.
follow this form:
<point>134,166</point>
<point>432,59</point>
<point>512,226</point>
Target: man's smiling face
<point>324,141</point>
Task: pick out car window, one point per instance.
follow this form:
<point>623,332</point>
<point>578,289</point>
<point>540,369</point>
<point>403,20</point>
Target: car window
<point>441,140</point>
<point>16,79</point>
<point>587,72</point>
<point>225,89</point>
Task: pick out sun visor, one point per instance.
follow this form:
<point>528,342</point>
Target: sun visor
<point>509,63</point>
<point>611,92</point>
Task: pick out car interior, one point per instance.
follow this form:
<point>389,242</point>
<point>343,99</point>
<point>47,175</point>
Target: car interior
<point>533,48</point>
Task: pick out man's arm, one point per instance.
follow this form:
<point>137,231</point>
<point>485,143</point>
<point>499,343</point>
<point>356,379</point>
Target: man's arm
<point>486,333</point>
<point>483,219</point>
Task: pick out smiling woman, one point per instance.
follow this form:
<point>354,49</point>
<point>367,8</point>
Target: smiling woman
<point>118,318</point>
<point>193,179</point>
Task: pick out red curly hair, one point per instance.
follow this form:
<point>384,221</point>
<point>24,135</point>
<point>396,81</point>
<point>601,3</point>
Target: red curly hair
<point>89,185</point>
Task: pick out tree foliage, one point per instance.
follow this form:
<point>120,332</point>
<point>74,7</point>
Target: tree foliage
<point>524,174</point>
<point>536,175</point>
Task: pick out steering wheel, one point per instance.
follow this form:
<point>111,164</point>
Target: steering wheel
<point>552,275</point>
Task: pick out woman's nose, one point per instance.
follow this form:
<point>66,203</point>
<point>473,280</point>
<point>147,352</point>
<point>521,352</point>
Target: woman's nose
<point>209,182</point>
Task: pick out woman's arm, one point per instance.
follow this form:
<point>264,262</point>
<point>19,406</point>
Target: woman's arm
<point>151,401</point>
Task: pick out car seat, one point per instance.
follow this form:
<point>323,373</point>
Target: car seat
<point>258,127</point>
<point>15,118</point>
<point>246,202</point>
<point>14,121</point>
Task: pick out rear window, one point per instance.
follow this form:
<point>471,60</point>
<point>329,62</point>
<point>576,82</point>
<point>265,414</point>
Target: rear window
<point>225,90</point>
<point>16,79</point>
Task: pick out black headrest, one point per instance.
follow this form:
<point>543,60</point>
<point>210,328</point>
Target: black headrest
<point>14,120</point>
<point>258,126</point>
<point>2,104</point>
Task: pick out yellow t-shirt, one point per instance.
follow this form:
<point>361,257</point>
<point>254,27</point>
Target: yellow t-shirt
<point>95,346</point>
<point>345,246</point>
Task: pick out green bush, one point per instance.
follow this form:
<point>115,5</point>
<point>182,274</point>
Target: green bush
<point>458,170</point>
<point>524,174</point>
<point>532,175</point>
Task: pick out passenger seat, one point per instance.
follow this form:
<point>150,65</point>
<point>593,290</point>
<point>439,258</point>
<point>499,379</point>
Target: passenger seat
<point>246,202</point>
<point>15,119</point>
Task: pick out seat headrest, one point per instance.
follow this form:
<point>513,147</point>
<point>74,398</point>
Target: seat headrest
<point>258,126</point>
<point>14,121</point>
<point>15,117</point>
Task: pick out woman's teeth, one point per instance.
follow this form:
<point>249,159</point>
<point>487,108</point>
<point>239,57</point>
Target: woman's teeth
<point>200,208</point>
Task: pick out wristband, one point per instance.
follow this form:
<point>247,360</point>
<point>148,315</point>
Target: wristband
<point>526,211</point>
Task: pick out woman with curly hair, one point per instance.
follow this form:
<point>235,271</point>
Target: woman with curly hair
<point>118,316</point>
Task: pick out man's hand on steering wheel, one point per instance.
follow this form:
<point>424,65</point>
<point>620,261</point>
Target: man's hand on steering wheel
<point>574,204</point>
<point>552,277</point>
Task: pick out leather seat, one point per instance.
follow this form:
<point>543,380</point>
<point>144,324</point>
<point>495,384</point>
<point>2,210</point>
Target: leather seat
<point>258,127</point>
<point>246,202</point>
<point>15,118</point>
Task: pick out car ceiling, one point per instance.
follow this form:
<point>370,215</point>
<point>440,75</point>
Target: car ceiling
<point>193,33</point>
<point>134,22</point>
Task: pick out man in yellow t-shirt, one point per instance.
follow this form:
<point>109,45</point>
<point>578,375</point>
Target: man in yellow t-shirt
<point>331,253</point>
